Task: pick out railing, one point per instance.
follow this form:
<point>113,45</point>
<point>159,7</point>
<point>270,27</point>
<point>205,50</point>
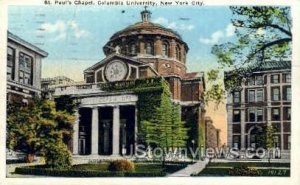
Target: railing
<point>107,86</point>
<point>77,89</point>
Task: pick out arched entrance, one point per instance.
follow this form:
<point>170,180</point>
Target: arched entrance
<point>256,137</point>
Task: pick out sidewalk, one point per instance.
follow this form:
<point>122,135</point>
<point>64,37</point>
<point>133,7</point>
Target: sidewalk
<point>190,169</point>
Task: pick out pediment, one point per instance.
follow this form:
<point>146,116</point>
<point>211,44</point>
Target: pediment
<point>113,57</point>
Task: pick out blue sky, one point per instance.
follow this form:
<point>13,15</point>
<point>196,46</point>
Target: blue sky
<point>73,35</point>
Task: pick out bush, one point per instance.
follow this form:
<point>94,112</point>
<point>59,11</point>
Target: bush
<point>121,165</point>
<point>243,171</point>
<point>58,156</point>
<point>41,170</point>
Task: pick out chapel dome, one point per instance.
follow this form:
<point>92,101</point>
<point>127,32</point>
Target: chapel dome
<point>141,32</point>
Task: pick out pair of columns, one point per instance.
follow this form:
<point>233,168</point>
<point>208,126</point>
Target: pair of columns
<point>95,132</point>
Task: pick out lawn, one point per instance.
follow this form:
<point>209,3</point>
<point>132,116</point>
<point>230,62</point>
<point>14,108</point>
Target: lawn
<point>235,169</point>
<point>101,170</point>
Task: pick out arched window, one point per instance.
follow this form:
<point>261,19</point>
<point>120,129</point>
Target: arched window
<point>178,52</point>
<point>165,49</point>
<point>149,48</point>
<point>132,48</point>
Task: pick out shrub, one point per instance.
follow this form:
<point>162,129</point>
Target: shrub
<point>121,165</point>
<point>58,156</point>
<point>243,171</point>
<point>41,170</point>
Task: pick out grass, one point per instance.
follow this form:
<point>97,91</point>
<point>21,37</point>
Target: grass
<point>249,164</point>
<point>139,167</point>
<point>101,170</point>
<point>262,168</point>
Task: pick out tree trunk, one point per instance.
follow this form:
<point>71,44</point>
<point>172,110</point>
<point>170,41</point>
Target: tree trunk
<point>30,158</point>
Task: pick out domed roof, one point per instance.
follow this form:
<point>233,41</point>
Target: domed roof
<point>146,27</point>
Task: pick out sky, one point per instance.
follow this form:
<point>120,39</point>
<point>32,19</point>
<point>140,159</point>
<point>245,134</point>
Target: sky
<point>74,36</point>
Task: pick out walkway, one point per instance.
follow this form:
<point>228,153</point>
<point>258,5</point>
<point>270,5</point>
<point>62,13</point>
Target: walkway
<point>190,169</point>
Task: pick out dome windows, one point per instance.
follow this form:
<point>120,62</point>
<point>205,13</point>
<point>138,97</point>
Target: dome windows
<point>132,48</point>
<point>149,48</point>
<point>178,52</point>
<point>165,49</point>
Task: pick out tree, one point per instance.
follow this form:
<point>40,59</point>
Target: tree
<point>23,128</point>
<point>262,33</point>
<point>37,128</point>
<point>179,132</point>
<point>269,136</point>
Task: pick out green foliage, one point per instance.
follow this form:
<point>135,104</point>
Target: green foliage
<point>179,132</point>
<point>263,32</point>
<point>38,128</point>
<point>269,136</point>
<point>23,127</point>
<point>121,165</point>
<point>58,156</point>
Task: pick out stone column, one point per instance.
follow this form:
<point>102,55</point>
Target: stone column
<point>172,49</point>
<point>135,129</point>
<point>76,133</point>
<point>141,45</point>
<point>116,130</point>
<point>243,117</point>
<point>95,131</point>
<point>242,128</point>
<point>157,46</point>
<point>17,63</point>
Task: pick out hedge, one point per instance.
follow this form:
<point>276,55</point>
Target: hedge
<point>261,172</point>
<point>79,173</point>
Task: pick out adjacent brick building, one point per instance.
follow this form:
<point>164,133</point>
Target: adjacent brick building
<point>23,69</point>
<point>263,98</point>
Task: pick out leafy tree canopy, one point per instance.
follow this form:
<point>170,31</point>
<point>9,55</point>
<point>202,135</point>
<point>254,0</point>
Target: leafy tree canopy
<point>262,33</point>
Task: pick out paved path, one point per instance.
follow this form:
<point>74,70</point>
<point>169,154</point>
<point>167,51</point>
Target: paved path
<point>190,169</point>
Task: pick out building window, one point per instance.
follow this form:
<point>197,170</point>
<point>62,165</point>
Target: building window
<point>10,63</point>
<point>251,96</point>
<point>255,115</point>
<point>236,116</point>
<point>251,115</point>
<point>25,69</point>
<point>259,115</point>
<point>275,79</point>
<point>149,48</point>
<point>251,81</point>
<point>132,48</point>
<point>259,95</point>
<point>236,141</point>
<point>287,113</point>
<point>275,93</point>
<point>178,53</point>
<point>259,80</point>
<point>165,49</point>
<point>287,94</point>
<point>287,78</point>
<point>275,114</point>
<point>236,97</point>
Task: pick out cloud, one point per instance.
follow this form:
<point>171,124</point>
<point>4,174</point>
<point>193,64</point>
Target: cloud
<point>173,25</point>
<point>230,29</point>
<point>60,28</point>
<point>218,35</point>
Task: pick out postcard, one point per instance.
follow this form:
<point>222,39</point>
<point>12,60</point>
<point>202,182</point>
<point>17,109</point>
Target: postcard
<point>155,92</point>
